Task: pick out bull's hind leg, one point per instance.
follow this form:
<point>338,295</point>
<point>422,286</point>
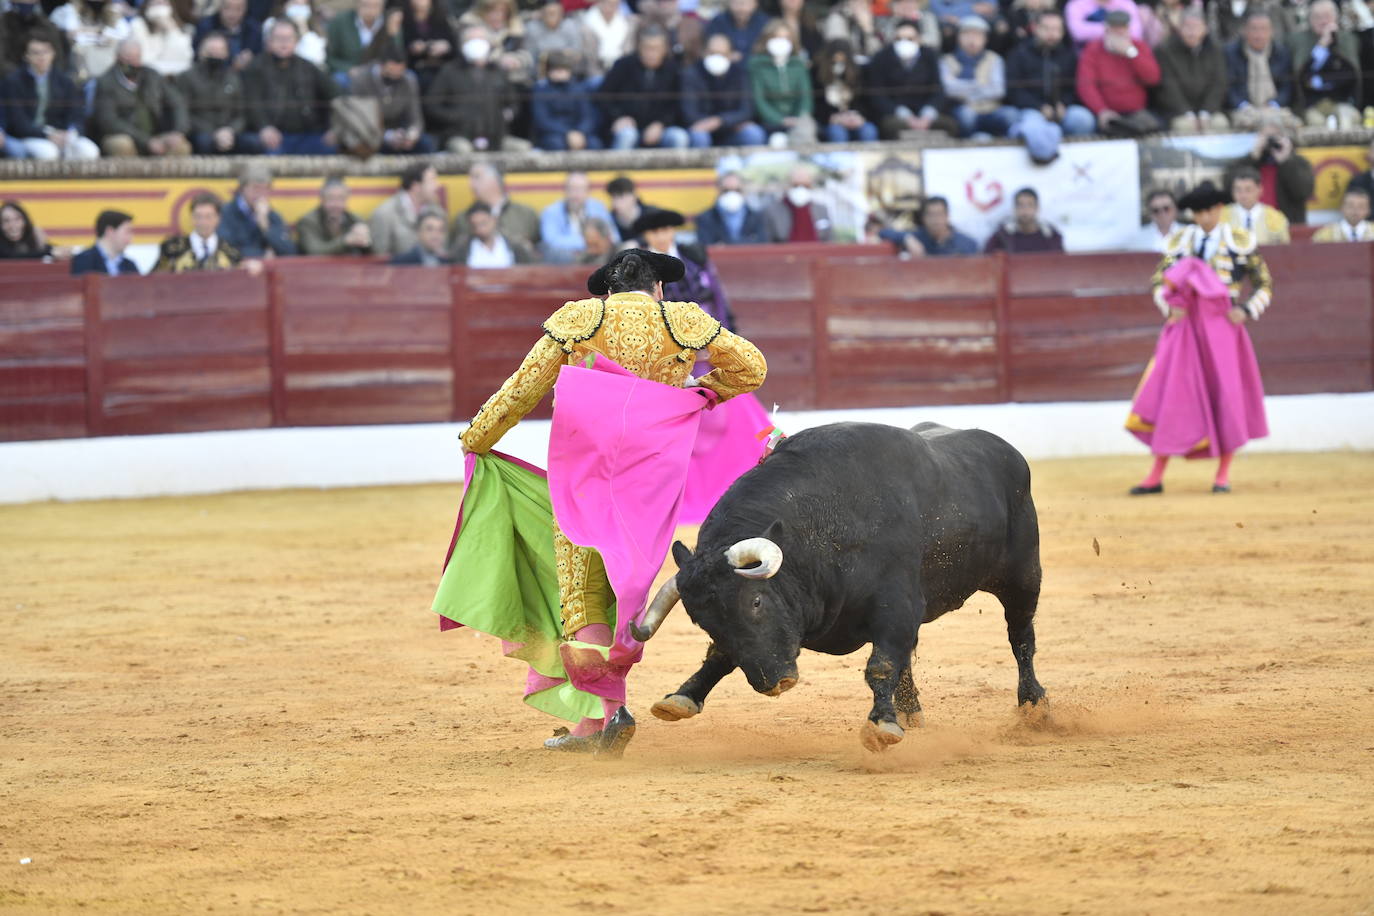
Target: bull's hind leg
<point>691,696</point>
<point>1018,603</point>
<point>907,701</point>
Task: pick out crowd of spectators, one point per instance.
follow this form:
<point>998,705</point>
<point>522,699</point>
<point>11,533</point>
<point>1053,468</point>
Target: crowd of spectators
<point>83,78</point>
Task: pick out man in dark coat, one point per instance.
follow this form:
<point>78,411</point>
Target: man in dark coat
<point>731,221</point>
<point>717,104</point>
<point>138,112</point>
<point>1192,78</point>
<point>114,230</point>
<point>903,87</point>
<point>1041,83</point>
<point>430,229</point>
<point>470,104</point>
<point>214,95</point>
<point>1257,44</point>
<point>1025,232</point>
<point>639,97</point>
<point>288,98</point>
<point>562,114</point>
<point>1286,179</point>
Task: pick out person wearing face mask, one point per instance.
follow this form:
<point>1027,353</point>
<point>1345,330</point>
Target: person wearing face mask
<point>731,221</point>
<point>94,28</point>
<point>471,103</point>
<point>717,101</point>
<point>287,99</point>
<point>903,87</point>
<point>837,95</point>
<point>311,45</point>
<point>46,109</point>
<point>397,92</point>
<point>797,216</point>
<point>137,111</point>
<point>782,87</point>
<point>562,114</point>
<point>214,97</point>
<point>165,39</point>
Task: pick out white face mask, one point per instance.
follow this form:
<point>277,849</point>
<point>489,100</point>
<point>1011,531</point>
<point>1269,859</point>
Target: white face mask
<point>475,49</point>
<point>731,201</point>
<point>906,48</point>
<point>716,64</point>
<point>799,196</point>
<point>160,13</point>
<point>839,67</point>
<point>298,12</point>
<point>779,47</point>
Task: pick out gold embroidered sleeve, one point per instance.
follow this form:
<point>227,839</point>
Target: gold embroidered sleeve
<point>737,365</point>
<point>517,397</point>
<point>1263,287</point>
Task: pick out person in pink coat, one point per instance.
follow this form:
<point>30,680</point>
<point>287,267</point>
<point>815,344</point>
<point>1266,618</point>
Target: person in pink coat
<point>1086,20</point>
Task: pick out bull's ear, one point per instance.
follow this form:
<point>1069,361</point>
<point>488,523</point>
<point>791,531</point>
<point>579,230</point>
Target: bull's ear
<point>681,554</point>
<point>776,531</point>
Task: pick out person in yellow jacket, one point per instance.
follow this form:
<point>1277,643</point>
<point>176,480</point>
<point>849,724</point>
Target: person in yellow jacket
<point>1354,224</point>
<point>1265,224</point>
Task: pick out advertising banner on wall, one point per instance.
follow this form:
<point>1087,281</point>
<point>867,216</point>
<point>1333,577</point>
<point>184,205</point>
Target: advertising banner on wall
<point>1091,193</point>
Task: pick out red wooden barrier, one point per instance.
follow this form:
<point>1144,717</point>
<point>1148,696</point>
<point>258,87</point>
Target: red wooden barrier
<point>316,341</point>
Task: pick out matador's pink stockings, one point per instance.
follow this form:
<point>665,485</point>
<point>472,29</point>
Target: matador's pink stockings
<point>1156,474</point>
<point>597,634</point>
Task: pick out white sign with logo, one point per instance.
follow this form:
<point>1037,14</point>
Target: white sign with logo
<point>1091,193</point>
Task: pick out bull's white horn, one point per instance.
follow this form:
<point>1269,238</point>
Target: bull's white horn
<point>755,550</point>
<point>664,601</point>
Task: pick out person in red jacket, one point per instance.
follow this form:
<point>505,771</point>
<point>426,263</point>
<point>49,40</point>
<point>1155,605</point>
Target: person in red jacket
<point>1114,75</point>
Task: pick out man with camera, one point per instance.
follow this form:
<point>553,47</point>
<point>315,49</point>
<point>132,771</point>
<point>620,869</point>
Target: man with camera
<point>1286,179</point>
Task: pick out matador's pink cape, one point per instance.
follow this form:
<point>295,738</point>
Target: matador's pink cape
<point>732,439</point>
<point>1201,395</point>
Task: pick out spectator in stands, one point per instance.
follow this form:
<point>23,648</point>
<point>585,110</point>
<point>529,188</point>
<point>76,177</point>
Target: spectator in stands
<point>243,33</point>
<point>1114,76</point>
<point>1266,225</point>
<point>430,42</point>
<point>393,222</point>
<point>46,110</point>
<point>137,111</point>
<point>350,36</point>
<point>1163,222</point>
<point>22,21</point>
<point>248,222</point>
<point>1286,179</point>
<point>639,98</point>
<point>551,30</point>
<point>310,25</point>
<point>731,221</point>
<point>562,113</point>
<point>781,87</point>
<point>1259,77</point>
<point>166,40</point>
<point>803,24</point>
<point>903,87</point>
<point>975,80</point>
<point>483,245</point>
<point>1365,180</point>
<point>1354,224</point>
<point>428,250</point>
<point>717,101</point>
<point>611,31</point>
<point>1025,232</point>
<point>1164,20</point>
<point>1041,78</point>
<point>114,230</point>
<point>472,102</point>
<point>798,216</point>
<point>1226,21</point>
<point>94,29</point>
<point>202,248</point>
<point>742,22</point>
<point>214,98</point>
<point>838,85</point>
<point>934,235</point>
<point>21,239</point>
<point>596,235</point>
<point>288,99</point>
<point>562,224</point>
<point>626,207</point>
<point>1087,20</point>
<point>397,92</point>
<point>915,10</point>
<point>852,21</point>
<point>950,13</point>
<point>1192,79</point>
<point>506,32</point>
<point>514,220</point>
<point>1326,60</point>
<point>330,229</point>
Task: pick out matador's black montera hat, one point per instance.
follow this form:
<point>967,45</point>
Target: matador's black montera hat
<point>665,267</point>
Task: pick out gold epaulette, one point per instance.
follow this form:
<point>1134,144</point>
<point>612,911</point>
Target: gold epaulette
<point>1242,240</point>
<point>575,321</point>
<point>689,325</point>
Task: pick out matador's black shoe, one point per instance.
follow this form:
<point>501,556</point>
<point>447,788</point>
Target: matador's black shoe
<point>620,728</point>
<point>1145,491</point>
<point>1221,488</point>
<point>576,744</point>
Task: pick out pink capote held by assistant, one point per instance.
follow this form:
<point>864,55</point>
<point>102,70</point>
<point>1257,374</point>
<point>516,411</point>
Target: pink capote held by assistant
<point>1202,394</point>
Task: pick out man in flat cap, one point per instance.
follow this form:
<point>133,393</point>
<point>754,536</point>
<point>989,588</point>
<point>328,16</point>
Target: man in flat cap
<point>1219,393</point>
<point>1115,74</point>
<point>644,338</point>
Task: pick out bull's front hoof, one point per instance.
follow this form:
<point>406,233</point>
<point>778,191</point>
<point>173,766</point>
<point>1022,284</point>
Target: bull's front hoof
<point>879,736</point>
<point>675,707</point>
<point>915,719</point>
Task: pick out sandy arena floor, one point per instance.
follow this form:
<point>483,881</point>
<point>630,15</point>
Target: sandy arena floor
<point>242,702</point>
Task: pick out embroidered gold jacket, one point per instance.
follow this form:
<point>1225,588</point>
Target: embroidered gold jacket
<point>176,256</point>
<point>1234,260</point>
<point>655,340</point>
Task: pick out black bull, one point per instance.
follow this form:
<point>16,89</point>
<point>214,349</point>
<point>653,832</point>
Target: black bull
<point>850,534</point>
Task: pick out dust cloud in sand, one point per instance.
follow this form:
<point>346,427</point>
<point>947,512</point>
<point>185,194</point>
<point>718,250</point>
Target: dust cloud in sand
<point>240,702</point>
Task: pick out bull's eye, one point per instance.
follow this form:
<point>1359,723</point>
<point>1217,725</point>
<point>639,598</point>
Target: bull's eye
<point>758,602</point>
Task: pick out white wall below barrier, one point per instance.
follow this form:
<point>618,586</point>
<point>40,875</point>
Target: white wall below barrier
<point>324,457</point>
